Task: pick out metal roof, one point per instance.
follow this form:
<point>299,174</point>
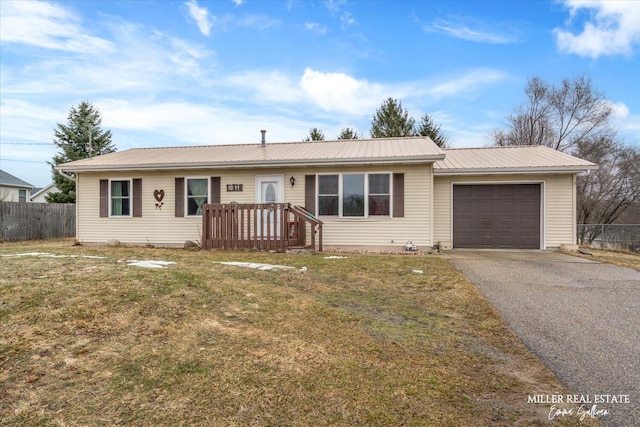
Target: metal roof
<point>487,160</point>
<point>8,180</point>
<point>342,152</point>
<point>513,159</point>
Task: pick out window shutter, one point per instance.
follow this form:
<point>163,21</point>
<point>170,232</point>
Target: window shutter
<point>179,197</point>
<point>398,195</point>
<point>137,197</point>
<point>104,198</point>
<point>215,189</point>
<point>310,193</point>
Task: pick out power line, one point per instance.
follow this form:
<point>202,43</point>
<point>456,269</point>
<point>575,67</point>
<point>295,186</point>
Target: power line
<point>26,143</point>
<point>25,161</point>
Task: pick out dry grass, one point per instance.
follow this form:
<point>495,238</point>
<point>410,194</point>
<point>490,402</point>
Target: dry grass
<point>356,341</point>
<point>621,258</point>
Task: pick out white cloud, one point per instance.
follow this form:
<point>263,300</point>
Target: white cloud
<point>469,82</point>
<point>24,121</point>
<point>347,20</point>
<point>47,26</point>
<point>179,123</point>
<point>341,93</point>
<point>265,87</point>
<point>237,2</point>
<point>261,22</point>
<point>316,27</point>
<point>201,16</point>
<point>619,110</point>
<point>144,61</point>
<point>462,31</point>
<point>612,28</point>
<point>334,5</point>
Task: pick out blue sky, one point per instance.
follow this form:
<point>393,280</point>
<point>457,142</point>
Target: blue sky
<point>172,73</point>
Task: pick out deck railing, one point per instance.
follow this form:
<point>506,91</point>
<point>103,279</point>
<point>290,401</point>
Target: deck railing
<point>259,226</point>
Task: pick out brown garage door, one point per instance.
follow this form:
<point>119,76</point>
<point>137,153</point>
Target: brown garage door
<point>496,216</point>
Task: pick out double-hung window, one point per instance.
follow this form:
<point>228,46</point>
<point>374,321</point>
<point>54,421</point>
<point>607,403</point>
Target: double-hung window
<point>197,195</point>
<point>379,194</point>
<point>22,196</point>
<point>354,195</point>
<point>120,196</point>
<point>328,194</point>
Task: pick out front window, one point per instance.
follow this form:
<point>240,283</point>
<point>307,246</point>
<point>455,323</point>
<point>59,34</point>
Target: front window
<point>22,195</point>
<point>328,194</point>
<point>197,195</point>
<point>354,195</point>
<point>120,198</point>
<point>379,194</point>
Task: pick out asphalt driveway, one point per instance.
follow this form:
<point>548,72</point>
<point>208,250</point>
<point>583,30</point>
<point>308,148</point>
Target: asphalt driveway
<point>580,317</point>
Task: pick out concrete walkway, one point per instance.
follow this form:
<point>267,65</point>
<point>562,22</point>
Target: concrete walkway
<point>580,317</point>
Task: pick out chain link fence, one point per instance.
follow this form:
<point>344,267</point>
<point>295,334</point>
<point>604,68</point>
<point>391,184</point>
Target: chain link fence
<point>610,236</point>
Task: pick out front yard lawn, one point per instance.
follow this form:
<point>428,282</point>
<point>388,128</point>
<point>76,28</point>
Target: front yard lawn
<point>87,339</point>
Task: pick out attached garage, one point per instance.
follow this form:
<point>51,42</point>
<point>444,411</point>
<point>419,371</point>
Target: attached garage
<point>497,216</point>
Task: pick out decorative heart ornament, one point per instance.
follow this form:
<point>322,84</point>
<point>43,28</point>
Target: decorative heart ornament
<point>159,195</point>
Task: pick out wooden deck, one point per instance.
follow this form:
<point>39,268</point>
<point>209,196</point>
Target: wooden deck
<point>259,226</point>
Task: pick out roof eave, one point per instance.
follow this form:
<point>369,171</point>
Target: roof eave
<point>503,171</point>
<point>27,186</point>
<point>256,164</point>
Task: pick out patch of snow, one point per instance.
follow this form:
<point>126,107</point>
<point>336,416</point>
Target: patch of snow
<point>148,263</point>
<point>335,257</point>
<point>29,254</point>
<point>418,271</point>
<point>48,255</point>
<point>257,265</point>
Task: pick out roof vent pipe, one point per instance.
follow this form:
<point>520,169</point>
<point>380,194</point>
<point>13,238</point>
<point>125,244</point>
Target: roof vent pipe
<point>264,139</point>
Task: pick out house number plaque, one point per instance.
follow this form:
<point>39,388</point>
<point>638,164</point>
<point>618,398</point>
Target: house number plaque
<point>234,187</point>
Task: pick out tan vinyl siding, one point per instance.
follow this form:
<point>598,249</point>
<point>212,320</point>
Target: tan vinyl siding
<point>561,210</point>
<point>159,226</point>
<point>558,201</point>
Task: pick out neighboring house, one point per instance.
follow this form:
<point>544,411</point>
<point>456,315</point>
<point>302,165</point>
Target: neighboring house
<point>39,195</point>
<point>13,189</point>
<point>369,193</point>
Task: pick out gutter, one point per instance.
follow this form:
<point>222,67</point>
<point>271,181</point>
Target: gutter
<point>66,175</point>
<point>254,164</point>
<point>504,171</point>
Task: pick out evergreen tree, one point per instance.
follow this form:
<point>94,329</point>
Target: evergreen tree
<point>80,138</point>
<point>428,128</point>
<point>391,120</point>
<point>315,134</point>
<point>348,133</point>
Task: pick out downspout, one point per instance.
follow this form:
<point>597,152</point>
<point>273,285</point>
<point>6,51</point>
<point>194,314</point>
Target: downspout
<point>574,195</point>
<point>66,175</point>
<point>431,208</point>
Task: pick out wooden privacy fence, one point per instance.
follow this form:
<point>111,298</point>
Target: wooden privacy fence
<point>32,221</point>
<point>259,226</point>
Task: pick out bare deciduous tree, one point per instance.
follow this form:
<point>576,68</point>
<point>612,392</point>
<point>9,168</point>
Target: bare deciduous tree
<point>574,117</point>
<point>606,193</point>
<point>557,116</point>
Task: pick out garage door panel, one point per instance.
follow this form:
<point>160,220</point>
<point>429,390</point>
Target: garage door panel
<point>496,216</point>
<point>508,223</point>
<point>483,207</point>
<point>529,224</point>
<point>529,206</point>
<point>506,206</point>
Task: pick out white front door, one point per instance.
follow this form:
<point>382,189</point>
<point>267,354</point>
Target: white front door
<point>270,189</point>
